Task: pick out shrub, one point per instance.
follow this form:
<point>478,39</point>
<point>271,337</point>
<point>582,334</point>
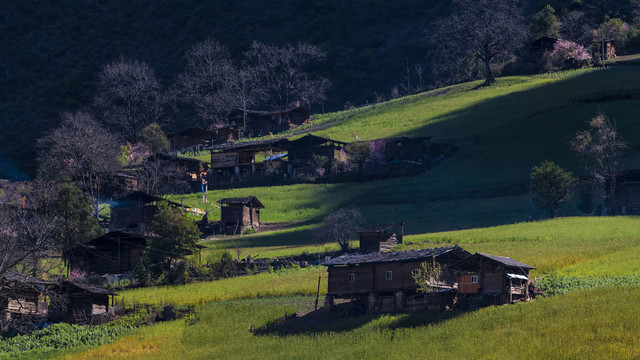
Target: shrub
<point>567,54</point>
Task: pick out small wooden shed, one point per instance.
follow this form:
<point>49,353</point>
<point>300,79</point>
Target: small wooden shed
<point>22,297</point>
<point>485,279</point>
<point>239,214</point>
<point>380,238</point>
<point>85,301</point>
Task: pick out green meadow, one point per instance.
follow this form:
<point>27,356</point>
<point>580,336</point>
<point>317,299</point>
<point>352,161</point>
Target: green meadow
<point>477,199</point>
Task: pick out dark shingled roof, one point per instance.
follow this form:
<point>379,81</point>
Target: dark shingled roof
<point>506,261</point>
<point>244,201</point>
<point>139,196</point>
<point>20,278</point>
<point>380,228</point>
<point>257,145</point>
<point>91,288</point>
<point>410,255</point>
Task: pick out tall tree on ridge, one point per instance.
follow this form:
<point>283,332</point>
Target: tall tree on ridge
<point>484,30</point>
<point>129,98</point>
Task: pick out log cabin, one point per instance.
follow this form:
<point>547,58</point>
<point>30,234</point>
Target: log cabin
<point>383,282</point>
<point>240,214</point>
<point>485,279</point>
<point>379,238</point>
<point>22,298</point>
<point>134,212</point>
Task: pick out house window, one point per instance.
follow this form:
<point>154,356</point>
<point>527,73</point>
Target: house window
<point>415,272</point>
<point>474,278</point>
<point>351,278</point>
<point>389,275</point>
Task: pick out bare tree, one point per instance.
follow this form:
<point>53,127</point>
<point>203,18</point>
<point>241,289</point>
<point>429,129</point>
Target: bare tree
<point>157,177</point>
<point>129,97</point>
<point>243,90</point>
<point>285,73</point>
<point>205,80</point>
<point>339,226</point>
<point>80,149</point>
<point>601,148</point>
<point>484,30</point>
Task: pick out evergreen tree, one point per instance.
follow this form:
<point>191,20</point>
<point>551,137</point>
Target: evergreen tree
<point>545,23</point>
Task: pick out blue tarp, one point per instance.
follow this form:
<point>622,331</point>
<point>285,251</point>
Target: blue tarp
<point>275,157</point>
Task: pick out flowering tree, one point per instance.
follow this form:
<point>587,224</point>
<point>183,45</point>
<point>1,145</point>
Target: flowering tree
<point>376,157</point>
<point>568,54</point>
<point>616,30</point>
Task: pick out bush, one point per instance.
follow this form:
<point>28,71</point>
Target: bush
<point>59,336</point>
<point>567,54</point>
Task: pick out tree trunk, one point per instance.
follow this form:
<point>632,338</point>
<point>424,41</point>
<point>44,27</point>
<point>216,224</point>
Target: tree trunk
<point>488,74</point>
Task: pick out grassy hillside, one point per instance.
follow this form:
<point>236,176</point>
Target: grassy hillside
<point>503,129</point>
<point>588,324</point>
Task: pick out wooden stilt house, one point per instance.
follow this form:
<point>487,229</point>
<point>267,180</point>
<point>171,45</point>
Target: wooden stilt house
<point>485,279</point>
<point>383,282</point>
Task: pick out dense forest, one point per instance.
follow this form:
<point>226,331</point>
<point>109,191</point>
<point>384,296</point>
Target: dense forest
<point>52,52</point>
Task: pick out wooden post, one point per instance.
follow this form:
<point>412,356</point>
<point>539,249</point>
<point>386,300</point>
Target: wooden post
<point>118,265</point>
<point>318,293</point>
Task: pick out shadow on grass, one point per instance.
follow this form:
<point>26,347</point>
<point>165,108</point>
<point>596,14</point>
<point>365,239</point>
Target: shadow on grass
<point>318,322</point>
<point>301,235</point>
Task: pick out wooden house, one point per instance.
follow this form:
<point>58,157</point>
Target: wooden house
<point>116,252</point>
<point>22,297</point>
<point>195,137</point>
<point>302,151</point>
<point>134,212</point>
<point>539,47</point>
<point>380,238</point>
<point>626,199</point>
<point>383,282</point>
<point>260,123</point>
<point>84,302</point>
<point>485,279</point>
<point>239,214</point>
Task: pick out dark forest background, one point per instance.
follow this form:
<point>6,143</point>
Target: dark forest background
<point>52,51</point>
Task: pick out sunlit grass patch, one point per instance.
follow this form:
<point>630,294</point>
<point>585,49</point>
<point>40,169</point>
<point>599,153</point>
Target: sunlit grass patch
<point>302,282</point>
<point>588,324</point>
